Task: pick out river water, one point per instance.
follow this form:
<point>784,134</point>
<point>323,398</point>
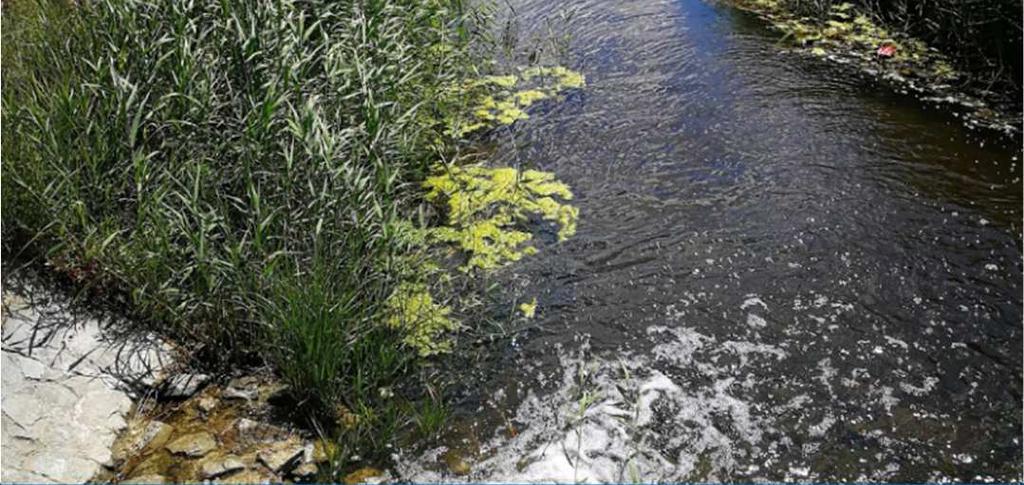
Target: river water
<point>782,272</point>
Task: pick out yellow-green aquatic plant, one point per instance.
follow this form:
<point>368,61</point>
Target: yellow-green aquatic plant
<point>529,310</point>
<point>502,100</point>
<point>484,206</point>
<point>412,310</point>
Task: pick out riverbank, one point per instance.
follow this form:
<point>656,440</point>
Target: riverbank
<point>234,177</point>
<point>857,36</point>
<point>283,187</point>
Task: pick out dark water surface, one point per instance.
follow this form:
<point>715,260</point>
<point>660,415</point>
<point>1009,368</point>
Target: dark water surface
<point>782,271</point>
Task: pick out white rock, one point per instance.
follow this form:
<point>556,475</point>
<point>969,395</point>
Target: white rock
<point>63,406</point>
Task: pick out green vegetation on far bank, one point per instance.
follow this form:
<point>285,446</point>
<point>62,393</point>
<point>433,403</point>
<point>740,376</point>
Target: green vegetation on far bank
<point>980,37</point>
<point>897,43</point>
<point>243,178</point>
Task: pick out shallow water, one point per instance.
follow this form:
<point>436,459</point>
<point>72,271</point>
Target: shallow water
<point>782,272</point>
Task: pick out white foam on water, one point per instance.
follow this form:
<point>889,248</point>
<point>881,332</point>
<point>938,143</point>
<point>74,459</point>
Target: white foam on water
<point>753,300</point>
<point>626,420</point>
<point>696,407</point>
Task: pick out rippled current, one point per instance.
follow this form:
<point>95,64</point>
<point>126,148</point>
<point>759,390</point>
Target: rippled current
<point>782,272</point>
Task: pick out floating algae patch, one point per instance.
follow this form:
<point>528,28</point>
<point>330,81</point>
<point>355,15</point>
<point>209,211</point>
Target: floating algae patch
<point>412,310</point>
<point>502,100</point>
<point>529,310</point>
<point>485,207</point>
<point>485,210</point>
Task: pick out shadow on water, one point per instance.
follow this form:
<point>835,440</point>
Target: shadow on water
<point>783,270</point>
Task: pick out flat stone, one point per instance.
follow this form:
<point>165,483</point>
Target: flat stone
<point>282,456</point>
<point>143,437</point>
<point>246,388</point>
<point>64,397</point>
<point>11,475</point>
<point>30,368</point>
<point>57,462</point>
<point>215,466</point>
<point>207,403</point>
<point>183,385</point>
<point>146,479</point>
<point>364,475</point>
<point>24,408</point>
<point>99,405</point>
<point>247,476</point>
<point>252,432</point>
<point>193,445</point>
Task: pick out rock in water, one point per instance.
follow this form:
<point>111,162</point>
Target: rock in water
<point>456,464</point>
<point>247,477</point>
<point>147,479</point>
<point>193,445</point>
<point>143,437</point>
<point>215,466</point>
<point>364,475</point>
<point>282,457</point>
<point>207,403</point>
<point>242,388</point>
<point>305,471</point>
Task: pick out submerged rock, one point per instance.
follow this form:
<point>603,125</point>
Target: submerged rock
<point>215,466</point>
<point>364,475</point>
<point>207,403</point>
<point>246,388</point>
<point>146,479</point>
<point>142,438</point>
<point>247,476</point>
<point>251,432</point>
<point>456,464</point>
<point>193,445</point>
<point>282,457</point>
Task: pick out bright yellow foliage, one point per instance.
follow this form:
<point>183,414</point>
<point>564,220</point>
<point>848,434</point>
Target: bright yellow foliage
<point>529,309</point>
<point>498,103</point>
<point>484,206</point>
<point>412,309</point>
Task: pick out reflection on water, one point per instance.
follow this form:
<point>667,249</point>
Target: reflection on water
<point>781,272</point>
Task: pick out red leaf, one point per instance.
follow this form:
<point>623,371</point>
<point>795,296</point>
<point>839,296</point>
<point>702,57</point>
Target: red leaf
<point>886,50</point>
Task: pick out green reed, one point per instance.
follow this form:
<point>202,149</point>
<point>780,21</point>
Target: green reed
<point>233,171</point>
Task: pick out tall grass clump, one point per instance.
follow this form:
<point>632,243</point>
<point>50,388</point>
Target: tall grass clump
<point>234,171</point>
